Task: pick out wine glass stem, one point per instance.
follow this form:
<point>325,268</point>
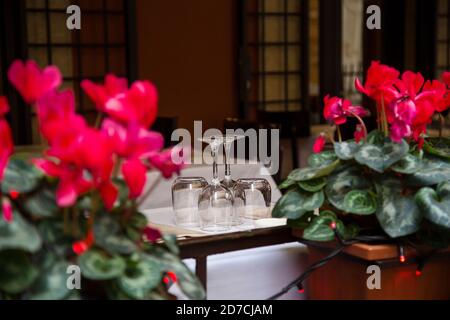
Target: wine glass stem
<point>227,163</point>
<point>214,149</point>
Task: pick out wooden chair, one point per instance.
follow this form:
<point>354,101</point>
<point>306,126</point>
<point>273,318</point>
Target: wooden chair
<point>234,123</point>
<point>294,125</point>
<point>165,126</point>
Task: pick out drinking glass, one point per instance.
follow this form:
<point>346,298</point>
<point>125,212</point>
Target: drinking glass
<point>228,180</point>
<point>185,195</point>
<point>215,204</point>
<point>252,198</point>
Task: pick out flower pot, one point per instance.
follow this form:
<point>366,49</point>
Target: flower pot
<point>345,277</point>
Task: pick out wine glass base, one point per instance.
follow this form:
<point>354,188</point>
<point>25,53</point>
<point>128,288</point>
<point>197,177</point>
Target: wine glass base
<point>216,228</point>
<point>237,222</point>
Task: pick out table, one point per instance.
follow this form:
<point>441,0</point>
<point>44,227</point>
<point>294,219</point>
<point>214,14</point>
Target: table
<point>200,247</point>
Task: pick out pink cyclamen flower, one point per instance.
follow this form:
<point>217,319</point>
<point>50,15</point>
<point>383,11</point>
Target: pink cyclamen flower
<point>337,110</point>
<point>359,134</point>
<point>411,109</point>
<point>152,234</point>
<point>133,143</point>
<point>4,106</point>
<point>319,143</point>
<point>77,153</point>
<point>6,140</point>
<point>100,93</point>
<point>379,82</point>
<point>163,161</point>
<point>32,82</point>
<point>7,210</point>
<point>138,104</point>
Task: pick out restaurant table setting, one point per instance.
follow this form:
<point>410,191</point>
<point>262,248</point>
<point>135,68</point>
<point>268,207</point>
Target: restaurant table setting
<point>190,206</point>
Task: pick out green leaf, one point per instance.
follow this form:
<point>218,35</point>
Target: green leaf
<point>42,204</point>
<point>360,202</point>
<point>302,222</point>
<point>408,165</point>
<point>381,157</point>
<point>51,283</point>
<point>351,231</point>
<point>313,185</point>
<point>19,234</point>
<point>346,150</point>
<point>319,229</point>
<point>142,277</point>
<point>108,237</point>
<point>187,281</point>
<point>52,233</point>
<point>435,204</point>
<point>397,213</point>
<point>170,241</point>
<point>322,159</point>
<point>294,204</point>
<point>286,184</point>
<point>433,171</point>
<point>288,206</point>
<point>138,221</point>
<point>17,272</point>
<point>438,147</point>
<point>375,137</point>
<point>341,183</point>
<point>20,176</point>
<point>96,265</point>
<point>310,173</point>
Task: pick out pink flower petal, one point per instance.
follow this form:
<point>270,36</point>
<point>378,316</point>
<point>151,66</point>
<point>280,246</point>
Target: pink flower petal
<point>319,144</point>
<point>134,173</point>
<point>7,210</point>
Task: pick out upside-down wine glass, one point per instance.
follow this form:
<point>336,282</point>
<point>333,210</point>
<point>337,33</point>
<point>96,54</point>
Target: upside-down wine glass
<point>215,204</point>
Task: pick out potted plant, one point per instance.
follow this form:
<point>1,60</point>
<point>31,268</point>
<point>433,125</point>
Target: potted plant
<point>76,205</point>
<point>391,185</point>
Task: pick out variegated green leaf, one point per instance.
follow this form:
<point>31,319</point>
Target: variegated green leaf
<point>302,222</point>
<point>436,204</point>
<point>294,204</point>
<point>187,281</point>
<point>107,236</point>
<point>51,283</point>
<point>360,202</point>
<point>96,265</point>
<point>375,137</point>
<point>381,157</point>
<point>313,185</point>
<point>397,213</point>
<point>346,150</point>
<point>319,229</point>
<point>322,159</point>
<point>17,272</point>
<point>20,176</point>
<point>310,173</point>
<point>438,146</point>
<point>140,278</point>
<point>170,241</point>
<point>19,234</point>
<point>408,165</point>
<point>289,206</point>
<point>341,183</point>
<point>286,184</point>
<point>434,171</point>
<point>42,204</point>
